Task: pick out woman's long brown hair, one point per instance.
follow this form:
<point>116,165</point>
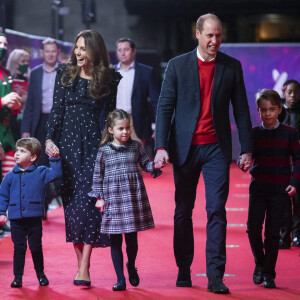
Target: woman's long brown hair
<point>97,54</point>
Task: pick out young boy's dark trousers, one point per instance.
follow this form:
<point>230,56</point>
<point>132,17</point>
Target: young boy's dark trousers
<point>271,208</point>
<point>117,254</point>
<point>22,229</point>
<point>291,220</point>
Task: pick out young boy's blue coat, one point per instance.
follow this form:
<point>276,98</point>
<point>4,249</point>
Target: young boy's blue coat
<point>23,192</point>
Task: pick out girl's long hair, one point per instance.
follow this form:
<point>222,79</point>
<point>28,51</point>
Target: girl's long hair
<point>97,54</point>
<point>117,114</point>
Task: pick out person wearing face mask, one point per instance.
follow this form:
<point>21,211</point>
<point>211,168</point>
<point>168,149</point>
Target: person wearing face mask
<point>9,102</point>
<point>18,65</point>
<point>290,230</point>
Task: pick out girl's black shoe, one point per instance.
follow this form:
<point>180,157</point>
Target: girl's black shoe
<point>119,286</point>
<point>134,278</point>
<point>17,282</point>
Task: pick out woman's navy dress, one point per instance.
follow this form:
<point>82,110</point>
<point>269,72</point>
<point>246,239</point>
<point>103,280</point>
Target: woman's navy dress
<point>74,126</point>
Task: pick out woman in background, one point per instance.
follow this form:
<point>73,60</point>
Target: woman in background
<point>18,66</point>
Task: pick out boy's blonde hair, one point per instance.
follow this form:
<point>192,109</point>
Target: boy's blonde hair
<point>31,144</point>
<point>269,95</point>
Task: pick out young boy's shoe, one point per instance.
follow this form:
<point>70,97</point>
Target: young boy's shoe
<point>258,275</point>
<point>284,245</point>
<point>296,242</point>
<point>269,282</point>
<point>43,280</point>
<point>17,282</point>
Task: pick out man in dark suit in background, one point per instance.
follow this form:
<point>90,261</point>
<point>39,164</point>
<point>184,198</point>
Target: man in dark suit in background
<point>40,96</point>
<point>193,127</point>
<point>135,89</point>
<point>39,103</point>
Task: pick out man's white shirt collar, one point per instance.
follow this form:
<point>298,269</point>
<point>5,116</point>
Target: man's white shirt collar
<point>54,69</point>
<point>132,66</point>
<point>201,58</point>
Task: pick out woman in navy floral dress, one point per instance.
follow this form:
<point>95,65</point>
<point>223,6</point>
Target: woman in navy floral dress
<point>85,91</point>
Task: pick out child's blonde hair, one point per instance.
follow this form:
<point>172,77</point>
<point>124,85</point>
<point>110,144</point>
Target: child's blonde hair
<point>31,144</point>
<point>117,114</point>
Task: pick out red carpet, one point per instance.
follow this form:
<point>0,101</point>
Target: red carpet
<point>155,262</point>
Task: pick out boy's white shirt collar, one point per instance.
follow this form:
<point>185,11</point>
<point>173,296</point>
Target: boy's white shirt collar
<point>276,126</point>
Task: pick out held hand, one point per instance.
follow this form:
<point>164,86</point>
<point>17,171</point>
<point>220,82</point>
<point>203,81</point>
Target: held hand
<point>51,149</point>
<point>12,101</point>
<point>3,219</point>
<point>291,190</point>
<point>55,155</point>
<point>25,135</point>
<point>2,153</point>
<point>157,165</point>
<point>100,204</point>
<point>153,134</point>
<point>245,162</point>
<point>161,159</point>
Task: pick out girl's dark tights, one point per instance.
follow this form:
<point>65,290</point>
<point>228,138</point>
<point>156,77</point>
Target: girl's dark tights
<point>117,254</point>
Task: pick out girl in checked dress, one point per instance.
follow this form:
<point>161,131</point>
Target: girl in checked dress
<point>119,189</point>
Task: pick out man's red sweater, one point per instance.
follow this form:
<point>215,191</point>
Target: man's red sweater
<point>205,132</point>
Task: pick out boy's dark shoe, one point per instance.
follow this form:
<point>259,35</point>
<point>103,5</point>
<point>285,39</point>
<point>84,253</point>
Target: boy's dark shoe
<point>217,286</point>
<point>269,282</point>
<point>17,282</point>
<point>184,277</point>
<point>5,228</point>
<point>296,242</point>
<point>119,286</point>
<point>134,278</point>
<point>43,280</point>
<point>284,245</point>
<point>258,275</point>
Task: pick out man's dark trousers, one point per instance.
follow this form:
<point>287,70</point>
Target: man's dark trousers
<point>209,160</point>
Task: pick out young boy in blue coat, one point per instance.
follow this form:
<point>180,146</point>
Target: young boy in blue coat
<point>22,192</point>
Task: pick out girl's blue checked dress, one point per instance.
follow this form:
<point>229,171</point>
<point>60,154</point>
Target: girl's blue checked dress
<point>117,179</point>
